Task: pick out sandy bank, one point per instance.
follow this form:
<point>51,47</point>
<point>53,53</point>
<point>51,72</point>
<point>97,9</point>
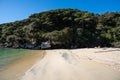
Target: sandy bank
<point>80,64</point>
<point>17,69</point>
<point>109,56</point>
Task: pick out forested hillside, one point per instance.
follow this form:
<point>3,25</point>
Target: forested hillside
<point>63,28</point>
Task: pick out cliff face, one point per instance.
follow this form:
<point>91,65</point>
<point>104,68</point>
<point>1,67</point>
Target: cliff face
<point>63,28</point>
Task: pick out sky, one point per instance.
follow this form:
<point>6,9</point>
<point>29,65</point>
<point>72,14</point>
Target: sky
<point>12,10</point>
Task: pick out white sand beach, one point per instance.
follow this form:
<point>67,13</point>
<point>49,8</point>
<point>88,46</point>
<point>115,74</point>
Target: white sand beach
<point>77,64</point>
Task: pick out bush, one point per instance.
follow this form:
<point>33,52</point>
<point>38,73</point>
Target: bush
<point>116,44</point>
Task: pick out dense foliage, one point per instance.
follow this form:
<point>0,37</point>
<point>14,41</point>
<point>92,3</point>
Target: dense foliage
<point>64,28</point>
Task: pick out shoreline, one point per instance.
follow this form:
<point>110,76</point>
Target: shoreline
<point>16,69</point>
<point>66,64</point>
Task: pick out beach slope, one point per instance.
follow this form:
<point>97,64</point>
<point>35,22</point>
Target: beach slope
<point>78,64</point>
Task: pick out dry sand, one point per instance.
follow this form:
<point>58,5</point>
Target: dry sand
<point>79,64</point>
<point>109,56</point>
<point>17,69</point>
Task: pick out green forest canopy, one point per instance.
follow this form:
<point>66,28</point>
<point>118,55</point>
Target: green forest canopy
<point>64,28</point>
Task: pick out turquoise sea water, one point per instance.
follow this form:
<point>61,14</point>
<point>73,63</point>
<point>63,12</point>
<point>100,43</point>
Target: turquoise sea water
<point>8,56</point>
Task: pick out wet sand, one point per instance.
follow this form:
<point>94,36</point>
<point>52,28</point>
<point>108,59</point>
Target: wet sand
<point>16,69</point>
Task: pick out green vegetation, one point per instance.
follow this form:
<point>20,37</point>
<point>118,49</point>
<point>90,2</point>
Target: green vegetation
<point>8,56</point>
<point>63,28</point>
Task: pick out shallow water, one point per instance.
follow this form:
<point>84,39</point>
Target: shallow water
<point>15,62</point>
<point>8,56</point>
